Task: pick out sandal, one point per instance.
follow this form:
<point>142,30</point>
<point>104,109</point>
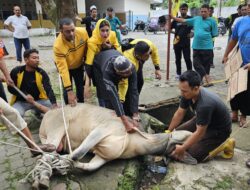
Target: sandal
<point>243,121</point>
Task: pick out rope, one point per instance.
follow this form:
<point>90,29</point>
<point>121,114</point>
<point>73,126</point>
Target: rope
<point>44,167</point>
<point>63,113</point>
<point>21,133</point>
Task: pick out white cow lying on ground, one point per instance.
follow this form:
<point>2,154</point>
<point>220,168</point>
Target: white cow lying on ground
<point>97,129</point>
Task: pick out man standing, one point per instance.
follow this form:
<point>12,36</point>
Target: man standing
<point>205,29</point>
<point>211,125</point>
<point>241,35</point>
<point>211,12</point>
<point>33,81</point>
<point>114,22</point>
<point>182,41</point>
<point>90,21</point>
<point>69,52</point>
<point>19,25</point>
<point>243,11</point>
<point>230,20</point>
<point>110,69</point>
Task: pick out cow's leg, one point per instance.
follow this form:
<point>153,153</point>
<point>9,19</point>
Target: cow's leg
<point>94,164</point>
<point>92,139</point>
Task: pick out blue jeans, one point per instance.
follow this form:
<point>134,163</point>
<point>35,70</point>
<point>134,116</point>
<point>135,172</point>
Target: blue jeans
<point>25,42</point>
<point>22,106</point>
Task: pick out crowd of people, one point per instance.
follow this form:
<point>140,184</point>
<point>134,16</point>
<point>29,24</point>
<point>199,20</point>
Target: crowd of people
<point>117,74</point>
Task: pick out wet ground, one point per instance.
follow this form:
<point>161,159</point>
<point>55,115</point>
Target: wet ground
<point>15,162</point>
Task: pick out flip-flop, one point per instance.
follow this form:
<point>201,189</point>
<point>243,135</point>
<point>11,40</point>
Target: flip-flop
<point>248,163</point>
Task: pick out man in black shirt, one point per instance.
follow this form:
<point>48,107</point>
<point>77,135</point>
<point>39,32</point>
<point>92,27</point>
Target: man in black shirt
<point>230,20</point>
<point>111,73</point>
<point>211,125</point>
<point>182,40</point>
<point>32,81</point>
<point>90,21</point>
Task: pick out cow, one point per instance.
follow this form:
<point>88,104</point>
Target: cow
<point>97,129</point>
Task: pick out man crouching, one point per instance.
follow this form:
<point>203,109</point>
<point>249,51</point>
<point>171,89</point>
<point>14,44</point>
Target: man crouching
<point>211,125</point>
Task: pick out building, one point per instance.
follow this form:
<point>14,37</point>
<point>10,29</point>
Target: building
<point>127,10</point>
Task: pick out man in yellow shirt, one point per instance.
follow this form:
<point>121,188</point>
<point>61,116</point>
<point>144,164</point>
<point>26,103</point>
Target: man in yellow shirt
<point>141,51</point>
<point>69,52</point>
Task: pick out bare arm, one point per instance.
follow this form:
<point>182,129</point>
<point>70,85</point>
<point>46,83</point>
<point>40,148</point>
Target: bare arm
<point>231,45</point>
<point>6,73</point>
<point>9,27</point>
<point>178,19</point>
<point>179,151</point>
<point>176,120</point>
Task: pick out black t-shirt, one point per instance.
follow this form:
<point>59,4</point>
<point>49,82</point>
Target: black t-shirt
<point>90,24</point>
<point>181,32</point>
<point>209,110</point>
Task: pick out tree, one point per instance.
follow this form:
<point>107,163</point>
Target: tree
<point>57,9</point>
<point>191,3</point>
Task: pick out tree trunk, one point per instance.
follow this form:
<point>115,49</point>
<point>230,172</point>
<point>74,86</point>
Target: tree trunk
<point>57,9</point>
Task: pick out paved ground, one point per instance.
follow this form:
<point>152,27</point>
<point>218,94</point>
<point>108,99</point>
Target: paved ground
<point>218,174</point>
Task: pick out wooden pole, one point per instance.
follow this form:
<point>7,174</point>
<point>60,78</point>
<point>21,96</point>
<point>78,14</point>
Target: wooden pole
<point>168,43</point>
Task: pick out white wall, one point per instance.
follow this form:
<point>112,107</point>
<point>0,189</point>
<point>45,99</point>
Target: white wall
<point>102,5</point>
<point>139,7</point>
<point>38,7</point>
<point>81,6</point>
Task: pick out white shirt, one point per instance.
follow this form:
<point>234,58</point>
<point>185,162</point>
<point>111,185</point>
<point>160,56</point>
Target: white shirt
<point>21,24</point>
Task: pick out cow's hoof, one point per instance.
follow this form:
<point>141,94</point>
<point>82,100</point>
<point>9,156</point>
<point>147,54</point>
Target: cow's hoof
<point>44,183</point>
<point>35,185</point>
<point>79,165</point>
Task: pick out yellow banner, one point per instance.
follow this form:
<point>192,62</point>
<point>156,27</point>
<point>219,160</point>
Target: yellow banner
<point>175,7</point>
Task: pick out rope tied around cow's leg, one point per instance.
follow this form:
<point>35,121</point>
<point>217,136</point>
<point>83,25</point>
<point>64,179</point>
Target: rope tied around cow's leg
<point>44,168</point>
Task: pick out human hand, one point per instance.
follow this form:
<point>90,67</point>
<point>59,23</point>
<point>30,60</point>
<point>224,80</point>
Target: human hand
<point>158,74</point>
<point>179,152</point>
<point>87,92</point>
<point>54,106</point>
<point>30,99</point>
<point>9,81</point>
<point>72,98</point>
<point>106,45</point>
<point>247,66</point>
<point>129,126</point>
<point>225,59</point>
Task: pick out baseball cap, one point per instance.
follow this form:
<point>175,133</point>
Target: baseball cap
<point>92,7</point>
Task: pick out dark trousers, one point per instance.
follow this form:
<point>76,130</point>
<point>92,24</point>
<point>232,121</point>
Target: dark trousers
<point>179,50</point>
<point>140,82</point>
<point>242,100</point>
<point>211,140</point>
<point>2,92</point>
<point>202,59</point>
<point>25,42</point>
<point>77,75</point>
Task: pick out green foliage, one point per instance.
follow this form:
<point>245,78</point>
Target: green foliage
<point>191,3</point>
<point>230,3</point>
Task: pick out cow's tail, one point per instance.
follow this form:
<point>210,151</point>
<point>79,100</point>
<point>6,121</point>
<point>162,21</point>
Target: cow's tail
<point>92,139</point>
